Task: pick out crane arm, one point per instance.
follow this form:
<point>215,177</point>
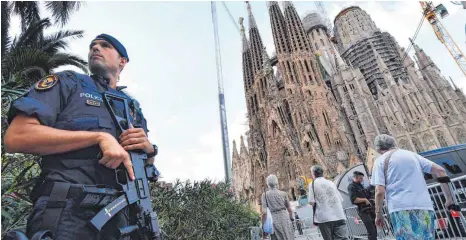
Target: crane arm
<point>221,97</point>
<point>442,33</point>
<point>231,17</point>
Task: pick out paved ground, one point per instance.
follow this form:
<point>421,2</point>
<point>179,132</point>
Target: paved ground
<point>311,233</point>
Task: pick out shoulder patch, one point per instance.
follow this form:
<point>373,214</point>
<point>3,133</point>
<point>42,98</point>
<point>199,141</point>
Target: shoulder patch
<point>47,82</point>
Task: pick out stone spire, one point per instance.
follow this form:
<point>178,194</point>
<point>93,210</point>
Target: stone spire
<point>383,67</point>
<point>298,37</point>
<point>242,146</point>
<point>424,60</point>
<point>243,35</point>
<point>248,76</point>
<point>251,19</point>
<point>454,85</point>
<point>279,31</point>
<point>339,63</point>
<point>235,151</point>
<point>256,42</point>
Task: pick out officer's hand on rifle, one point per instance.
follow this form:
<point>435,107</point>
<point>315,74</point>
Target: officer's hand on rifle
<point>367,202</point>
<point>135,139</point>
<point>113,154</point>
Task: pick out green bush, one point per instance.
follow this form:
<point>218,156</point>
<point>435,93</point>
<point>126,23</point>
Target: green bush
<point>202,210</point>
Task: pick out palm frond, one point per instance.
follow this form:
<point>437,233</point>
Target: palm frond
<point>61,10</point>
<point>23,58</point>
<point>63,59</point>
<point>6,11</point>
<point>27,11</point>
<point>59,41</point>
<point>32,34</point>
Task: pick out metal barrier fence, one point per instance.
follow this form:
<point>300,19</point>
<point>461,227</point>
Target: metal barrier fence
<point>357,229</point>
<point>448,224</point>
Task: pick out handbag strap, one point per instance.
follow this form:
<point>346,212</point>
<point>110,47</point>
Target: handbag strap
<point>266,203</point>
<point>385,169</point>
<point>315,202</point>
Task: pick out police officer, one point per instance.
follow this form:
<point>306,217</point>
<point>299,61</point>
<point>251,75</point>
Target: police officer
<point>63,119</point>
<point>365,208</point>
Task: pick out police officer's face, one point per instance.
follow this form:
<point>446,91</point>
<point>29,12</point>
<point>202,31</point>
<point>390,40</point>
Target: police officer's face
<point>104,58</point>
<point>358,179</point>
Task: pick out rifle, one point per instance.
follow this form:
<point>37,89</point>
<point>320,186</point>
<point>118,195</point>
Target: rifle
<point>136,193</point>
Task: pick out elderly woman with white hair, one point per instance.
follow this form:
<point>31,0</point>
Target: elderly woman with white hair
<point>398,176</point>
<point>277,202</point>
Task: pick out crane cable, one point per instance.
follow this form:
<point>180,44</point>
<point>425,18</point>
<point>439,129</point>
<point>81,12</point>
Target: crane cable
<point>231,17</point>
<point>414,36</point>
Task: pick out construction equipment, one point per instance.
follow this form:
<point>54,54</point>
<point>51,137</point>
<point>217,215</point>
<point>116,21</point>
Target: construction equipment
<point>431,13</point>
<point>231,17</point>
<point>463,3</point>
<point>323,12</point>
<point>221,96</point>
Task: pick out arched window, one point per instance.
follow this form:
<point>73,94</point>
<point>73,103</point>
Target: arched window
<point>441,139</point>
<point>327,122</point>
<point>430,142</point>
<point>275,129</point>
<point>327,137</point>
<point>403,144</point>
<point>460,136</point>
<point>417,145</point>
<point>307,145</point>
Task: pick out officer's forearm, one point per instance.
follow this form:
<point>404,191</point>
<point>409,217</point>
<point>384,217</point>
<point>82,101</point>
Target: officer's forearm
<point>26,135</point>
<point>360,200</point>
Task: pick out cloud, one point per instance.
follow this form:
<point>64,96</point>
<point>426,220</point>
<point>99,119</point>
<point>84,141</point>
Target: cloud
<point>204,158</point>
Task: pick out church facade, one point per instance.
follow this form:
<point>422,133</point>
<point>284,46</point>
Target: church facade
<point>308,105</point>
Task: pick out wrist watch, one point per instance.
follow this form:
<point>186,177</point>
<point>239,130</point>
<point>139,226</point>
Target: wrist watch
<point>154,153</point>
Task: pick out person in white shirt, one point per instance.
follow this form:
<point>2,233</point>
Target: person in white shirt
<point>403,185</point>
<point>327,205</point>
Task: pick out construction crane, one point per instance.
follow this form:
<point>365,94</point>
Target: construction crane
<point>463,3</point>
<point>231,17</point>
<point>221,97</point>
<point>431,13</point>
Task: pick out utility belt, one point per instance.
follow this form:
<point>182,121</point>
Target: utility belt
<point>365,208</point>
<point>84,196</point>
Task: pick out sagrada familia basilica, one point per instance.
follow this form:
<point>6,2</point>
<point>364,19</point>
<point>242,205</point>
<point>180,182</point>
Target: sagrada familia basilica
<point>329,98</point>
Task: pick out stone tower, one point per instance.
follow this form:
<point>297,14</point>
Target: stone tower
<point>355,32</point>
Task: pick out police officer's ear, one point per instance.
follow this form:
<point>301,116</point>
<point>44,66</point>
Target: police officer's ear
<point>123,62</point>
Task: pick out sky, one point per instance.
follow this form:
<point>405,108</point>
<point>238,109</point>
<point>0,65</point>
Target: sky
<point>172,69</point>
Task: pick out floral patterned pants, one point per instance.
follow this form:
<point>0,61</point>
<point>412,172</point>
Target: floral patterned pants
<point>413,224</point>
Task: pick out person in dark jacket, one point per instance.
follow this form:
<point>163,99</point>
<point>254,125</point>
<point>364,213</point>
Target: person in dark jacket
<point>360,197</point>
